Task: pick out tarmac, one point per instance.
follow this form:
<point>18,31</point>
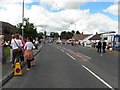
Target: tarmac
<point>8,72</point>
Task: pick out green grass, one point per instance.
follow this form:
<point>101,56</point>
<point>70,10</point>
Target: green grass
<point>7,51</point>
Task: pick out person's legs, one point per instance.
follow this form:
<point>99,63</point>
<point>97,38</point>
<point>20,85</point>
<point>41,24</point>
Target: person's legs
<point>32,62</point>
<point>18,54</point>
<point>100,50</point>
<point>11,54</point>
<point>103,49</point>
<point>28,65</point>
<point>22,58</point>
<point>14,57</point>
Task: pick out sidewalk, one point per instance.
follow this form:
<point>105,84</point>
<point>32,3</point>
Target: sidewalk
<point>7,71</point>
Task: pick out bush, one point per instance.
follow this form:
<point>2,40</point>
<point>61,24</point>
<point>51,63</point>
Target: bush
<point>6,51</point>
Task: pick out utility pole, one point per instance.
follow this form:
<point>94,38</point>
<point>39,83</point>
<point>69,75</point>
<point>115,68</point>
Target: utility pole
<point>23,19</point>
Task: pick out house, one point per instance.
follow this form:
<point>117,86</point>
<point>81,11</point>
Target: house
<point>106,36</point>
<point>96,37</point>
<point>86,40</point>
<point>5,29</point>
<point>82,38</point>
<point>103,36</point>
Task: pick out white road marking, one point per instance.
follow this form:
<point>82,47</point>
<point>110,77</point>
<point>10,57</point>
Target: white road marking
<point>71,56</point>
<point>62,50</point>
<point>98,78</point>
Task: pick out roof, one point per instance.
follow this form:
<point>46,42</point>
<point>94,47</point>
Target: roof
<point>63,40</point>
<point>6,24</point>
<point>95,37</point>
<point>6,27</point>
<point>80,36</point>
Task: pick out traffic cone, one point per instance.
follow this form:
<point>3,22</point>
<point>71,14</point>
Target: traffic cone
<point>17,70</point>
<point>110,50</point>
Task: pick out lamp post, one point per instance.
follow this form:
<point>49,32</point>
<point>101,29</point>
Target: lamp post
<point>22,19</point>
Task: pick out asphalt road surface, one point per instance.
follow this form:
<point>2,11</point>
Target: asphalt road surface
<point>66,66</point>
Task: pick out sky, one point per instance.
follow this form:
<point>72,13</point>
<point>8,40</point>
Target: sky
<point>87,16</point>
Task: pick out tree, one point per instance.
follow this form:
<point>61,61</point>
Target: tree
<point>62,36</point>
<point>77,32</point>
<point>29,29</point>
<point>17,29</point>
<point>66,35</point>
<point>45,33</point>
<point>70,35</point>
<point>54,35</point>
<point>73,32</point>
<point>40,35</point>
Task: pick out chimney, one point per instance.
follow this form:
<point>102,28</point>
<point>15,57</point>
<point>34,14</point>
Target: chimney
<point>96,33</point>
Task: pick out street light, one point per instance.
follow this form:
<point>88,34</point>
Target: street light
<point>23,19</point>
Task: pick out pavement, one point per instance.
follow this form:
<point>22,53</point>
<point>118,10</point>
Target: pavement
<point>8,72</point>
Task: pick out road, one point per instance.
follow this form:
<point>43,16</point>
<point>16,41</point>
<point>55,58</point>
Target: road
<point>66,66</point>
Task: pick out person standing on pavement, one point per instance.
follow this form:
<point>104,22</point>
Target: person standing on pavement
<point>16,46</point>
<point>99,46</point>
<point>1,48</point>
<point>11,49</point>
<point>22,54</point>
<point>28,54</point>
<point>104,46</point>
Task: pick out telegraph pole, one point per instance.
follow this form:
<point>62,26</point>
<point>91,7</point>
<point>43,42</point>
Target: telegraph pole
<point>22,19</point>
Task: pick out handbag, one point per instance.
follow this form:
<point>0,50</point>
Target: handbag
<point>19,48</point>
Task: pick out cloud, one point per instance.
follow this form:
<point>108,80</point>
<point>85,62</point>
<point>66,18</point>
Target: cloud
<point>97,23</point>
<point>113,9</point>
<point>64,4</point>
<point>8,13</point>
<point>68,4</point>
<point>16,1</point>
<point>59,21</point>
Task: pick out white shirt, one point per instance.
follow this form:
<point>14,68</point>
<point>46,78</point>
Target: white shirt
<point>14,45</point>
<point>28,46</point>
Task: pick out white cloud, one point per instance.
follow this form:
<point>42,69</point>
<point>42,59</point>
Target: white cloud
<point>63,4</point>
<point>69,4</point>
<point>8,13</point>
<point>59,21</point>
<point>113,9</point>
<point>16,1</point>
<point>98,22</point>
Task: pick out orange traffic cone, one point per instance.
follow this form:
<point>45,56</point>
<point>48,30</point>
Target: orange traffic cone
<point>17,70</point>
<point>110,50</point>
